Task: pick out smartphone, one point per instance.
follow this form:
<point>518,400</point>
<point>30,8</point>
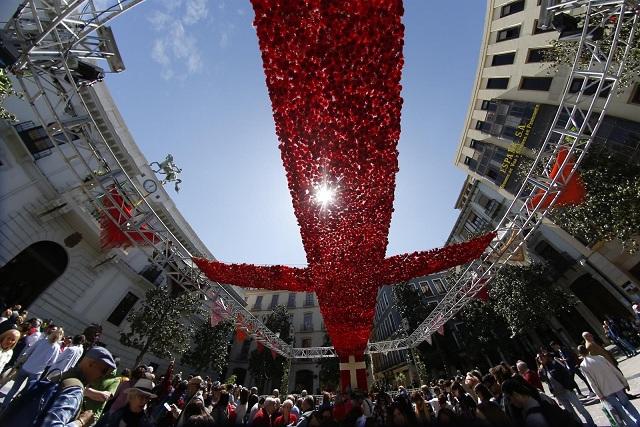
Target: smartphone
<point>167,406</point>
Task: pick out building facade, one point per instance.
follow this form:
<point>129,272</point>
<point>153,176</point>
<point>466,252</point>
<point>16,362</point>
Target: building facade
<point>51,259</point>
<point>514,100</point>
<point>307,330</point>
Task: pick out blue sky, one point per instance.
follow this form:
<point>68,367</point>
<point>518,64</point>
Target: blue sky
<point>194,87</point>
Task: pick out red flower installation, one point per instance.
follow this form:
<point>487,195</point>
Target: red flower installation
<point>115,221</point>
<point>333,73</point>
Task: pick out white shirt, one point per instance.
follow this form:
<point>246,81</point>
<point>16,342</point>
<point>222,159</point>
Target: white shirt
<point>5,356</point>
<point>40,355</point>
<point>602,376</point>
<point>67,359</point>
<point>32,339</point>
<point>252,413</point>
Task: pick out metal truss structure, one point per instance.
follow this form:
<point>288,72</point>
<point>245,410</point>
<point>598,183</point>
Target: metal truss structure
<point>53,40</point>
<point>56,46</point>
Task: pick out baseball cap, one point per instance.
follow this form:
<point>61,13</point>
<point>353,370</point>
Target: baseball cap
<point>101,354</point>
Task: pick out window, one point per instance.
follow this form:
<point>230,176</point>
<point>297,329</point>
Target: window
<point>37,141</point>
<point>258,304</point>
<point>467,160</point>
<point>508,34</point>
<point>535,83</point>
<point>244,350</point>
<point>306,342</point>
<point>635,97</point>
<point>590,88</point>
<point>498,83</point>
<point>503,59</point>
<point>291,303</point>
<point>437,283</point>
<point>511,8</point>
<point>537,30</point>
<point>424,286</point>
<point>474,143</point>
<point>274,301</point>
<point>385,300</point>
<point>307,323</point>
<point>121,311</point>
<point>479,124</point>
<point>308,299</point>
<point>537,55</point>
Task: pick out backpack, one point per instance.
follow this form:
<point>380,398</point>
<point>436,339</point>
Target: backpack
<point>31,405</point>
<point>555,415</point>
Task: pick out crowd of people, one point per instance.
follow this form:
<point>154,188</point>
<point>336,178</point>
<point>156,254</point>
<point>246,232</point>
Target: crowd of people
<point>75,381</point>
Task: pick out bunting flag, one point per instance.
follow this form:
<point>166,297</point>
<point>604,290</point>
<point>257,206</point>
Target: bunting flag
<point>333,73</point>
<point>274,354</point>
<point>116,223</point>
<point>483,294</point>
<point>574,191</point>
<point>259,347</point>
<point>429,339</point>
<point>441,330</point>
<point>241,334</point>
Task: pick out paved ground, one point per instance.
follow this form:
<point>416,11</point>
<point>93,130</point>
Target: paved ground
<point>631,369</point>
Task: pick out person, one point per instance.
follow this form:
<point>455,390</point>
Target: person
<point>611,332</point>
<point>37,358</point>
<point>222,412</point>
<point>464,404</point>
<point>98,393</point>
<point>308,405</point>
<point>488,411</point>
<point>263,417</point>
<point>561,387</point>
<point>422,408</point>
<point>120,397</point>
<point>472,379</point>
<point>69,356</point>
<point>65,405</point>
<point>530,376</point>
<point>193,391</point>
<point>596,349</point>
<point>203,420</point>
<point>609,384</point>
<point>242,407</point>
<point>8,340</point>
<point>568,357</point>
<point>287,417</point>
<point>532,412</point>
<point>133,413</point>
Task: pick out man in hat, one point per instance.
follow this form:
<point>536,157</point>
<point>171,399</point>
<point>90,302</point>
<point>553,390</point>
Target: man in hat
<point>133,413</point>
<point>65,405</point>
<point>194,391</point>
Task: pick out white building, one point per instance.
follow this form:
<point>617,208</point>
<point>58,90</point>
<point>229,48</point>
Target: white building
<point>307,330</point>
<point>50,255</point>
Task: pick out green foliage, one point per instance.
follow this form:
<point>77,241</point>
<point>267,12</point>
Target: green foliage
<point>519,297</point>
<point>162,325</point>
<point>6,90</point>
<point>233,379</point>
<point>410,305</point>
<point>563,53</point>
<point>329,370</point>
<point>611,209</point>
<point>210,348</point>
<point>262,365</point>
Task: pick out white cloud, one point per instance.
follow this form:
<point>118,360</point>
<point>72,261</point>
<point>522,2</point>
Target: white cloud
<point>176,49</point>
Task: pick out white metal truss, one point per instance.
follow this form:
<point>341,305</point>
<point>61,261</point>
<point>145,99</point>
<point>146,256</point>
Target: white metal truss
<point>50,37</point>
<point>573,129</point>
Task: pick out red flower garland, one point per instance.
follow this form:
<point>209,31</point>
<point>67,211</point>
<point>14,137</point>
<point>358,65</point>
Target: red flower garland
<point>333,73</point>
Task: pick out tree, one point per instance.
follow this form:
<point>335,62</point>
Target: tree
<point>210,349</point>
<point>262,364</point>
<point>611,209</point>
<point>329,370</point>
<point>6,90</point>
<point>162,326</point>
<point>563,52</point>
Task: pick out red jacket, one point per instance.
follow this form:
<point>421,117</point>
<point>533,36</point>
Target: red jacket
<point>533,379</point>
<point>262,419</point>
<point>280,421</point>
